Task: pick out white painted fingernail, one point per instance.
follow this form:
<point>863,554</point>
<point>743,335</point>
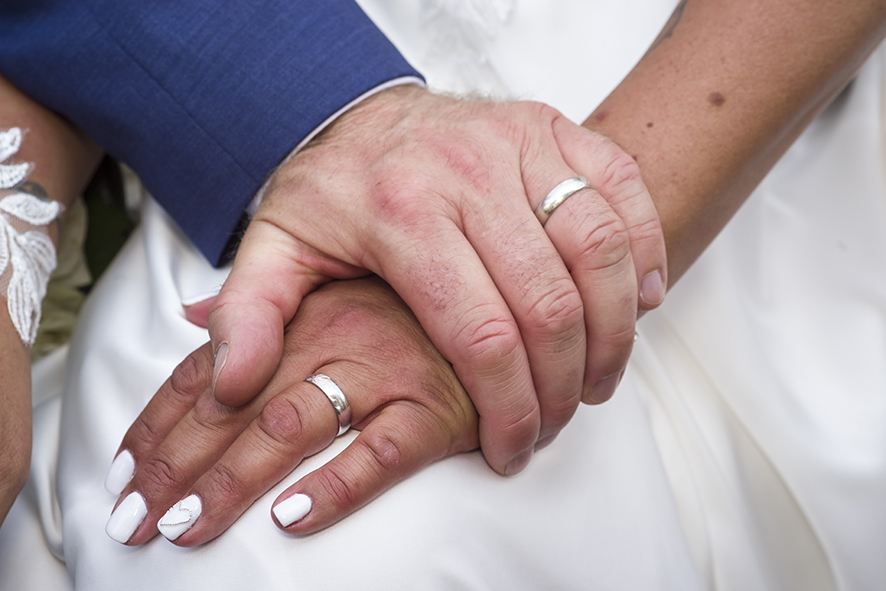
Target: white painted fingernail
<point>292,509</point>
<point>126,518</point>
<point>120,473</point>
<point>201,297</point>
<point>180,517</point>
<point>220,357</point>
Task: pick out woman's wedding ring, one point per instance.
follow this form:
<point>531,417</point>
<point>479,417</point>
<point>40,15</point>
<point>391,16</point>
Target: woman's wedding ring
<point>336,397</point>
<point>558,195</point>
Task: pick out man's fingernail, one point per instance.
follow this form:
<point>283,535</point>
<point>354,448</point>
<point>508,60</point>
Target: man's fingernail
<point>652,290</point>
<point>519,463</point>
<point>180,517</point>
<point>602,390</point>
<point>292,509</point>
<point>126,518</point>
<point>122,469</point>
<point>543,443</point>
<point>201,297</point>
<point>220,357</point>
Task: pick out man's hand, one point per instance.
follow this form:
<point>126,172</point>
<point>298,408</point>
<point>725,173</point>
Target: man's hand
<point>436,196</point>
<point>405,399</point>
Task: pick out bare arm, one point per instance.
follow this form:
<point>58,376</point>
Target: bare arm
<point>63,162</point>
<point>721,95</point>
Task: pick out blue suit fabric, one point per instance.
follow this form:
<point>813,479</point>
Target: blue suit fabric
<point>202,98</point>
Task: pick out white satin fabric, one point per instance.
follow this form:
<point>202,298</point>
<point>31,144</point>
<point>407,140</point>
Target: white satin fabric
<point>745,449</point>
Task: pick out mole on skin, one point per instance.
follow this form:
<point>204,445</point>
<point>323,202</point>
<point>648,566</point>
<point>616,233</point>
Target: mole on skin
<point>649,124</point>
<point>716,99</point>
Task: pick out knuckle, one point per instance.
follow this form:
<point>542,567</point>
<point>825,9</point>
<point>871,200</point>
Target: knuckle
<point>522,428</point>
<point>210,415</point>
<point>192,376</point>
<point>143,432</point>
<point>385,451</point>
<point>490,340</point>
<point>281,421</point>
<point>226,483</point>
<point>342,490</point>
<point>607,243</point>
<point>558,310</point>
<point>160,472</point>
<point>648,230</point>
<point>621,172</point>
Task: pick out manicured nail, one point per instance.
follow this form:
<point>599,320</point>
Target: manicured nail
<point>220,357</point>
<point>180,517</point>
<point>120,473</point>
<point>652,290</point>
<point>602,390</point>
<point>126,518</point>
<point>201,297</point>
<point>519,463</point>
<point>292,509</point>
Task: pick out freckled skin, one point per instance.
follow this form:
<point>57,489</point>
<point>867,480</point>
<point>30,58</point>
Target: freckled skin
<point>716,99</point>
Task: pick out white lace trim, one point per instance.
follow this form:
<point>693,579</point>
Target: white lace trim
<point>27,255</point>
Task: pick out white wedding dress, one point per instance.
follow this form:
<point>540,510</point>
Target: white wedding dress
<point>745,449</point>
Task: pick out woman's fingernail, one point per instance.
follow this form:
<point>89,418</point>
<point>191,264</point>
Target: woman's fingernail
<point>602,390</point>
<point>652,290</point>
<point>292,509</point>
<point>126,518</point>
<point>519,463</point>
<point>180,517</point>
<point>201,297</point>
<point>122,469</point>
<point>220,357</point>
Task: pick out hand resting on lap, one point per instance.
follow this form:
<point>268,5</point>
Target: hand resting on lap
<point>405,398</point>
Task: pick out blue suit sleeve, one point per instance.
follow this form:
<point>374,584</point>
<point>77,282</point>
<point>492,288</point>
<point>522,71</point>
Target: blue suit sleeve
<point>202,98</point>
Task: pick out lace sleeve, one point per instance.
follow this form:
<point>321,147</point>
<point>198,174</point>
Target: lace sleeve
<point>27,255</point>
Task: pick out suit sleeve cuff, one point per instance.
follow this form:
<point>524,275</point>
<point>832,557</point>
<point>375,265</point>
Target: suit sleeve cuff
<point>402,81</point>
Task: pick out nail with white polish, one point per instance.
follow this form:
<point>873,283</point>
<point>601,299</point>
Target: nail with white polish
<point>121,472</point>
<point>126,518</point>
<point>292,509</point>
<point>180,517</point>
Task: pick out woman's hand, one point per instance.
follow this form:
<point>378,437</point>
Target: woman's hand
<point>405,399</point>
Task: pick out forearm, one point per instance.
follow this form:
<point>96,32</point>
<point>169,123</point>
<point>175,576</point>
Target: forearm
<point>15,413</point>
<point>63,157</point>
<point>721,95</point>
<point>62,161</point>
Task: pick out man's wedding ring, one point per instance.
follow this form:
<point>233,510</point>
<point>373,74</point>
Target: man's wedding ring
<point>558,195</point>
<point>337,398</point>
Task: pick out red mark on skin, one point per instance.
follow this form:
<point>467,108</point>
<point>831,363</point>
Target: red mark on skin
<point>599,117</point>
<point>716,99</point>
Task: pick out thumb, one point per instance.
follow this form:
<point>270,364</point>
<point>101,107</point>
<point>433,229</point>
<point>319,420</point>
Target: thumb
<point>272,272</point>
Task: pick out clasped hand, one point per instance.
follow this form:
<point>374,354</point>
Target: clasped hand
<point>436,196</point>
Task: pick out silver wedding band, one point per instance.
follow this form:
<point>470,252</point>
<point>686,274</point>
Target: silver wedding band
<point>336,397</point>
<point>558,195</point>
